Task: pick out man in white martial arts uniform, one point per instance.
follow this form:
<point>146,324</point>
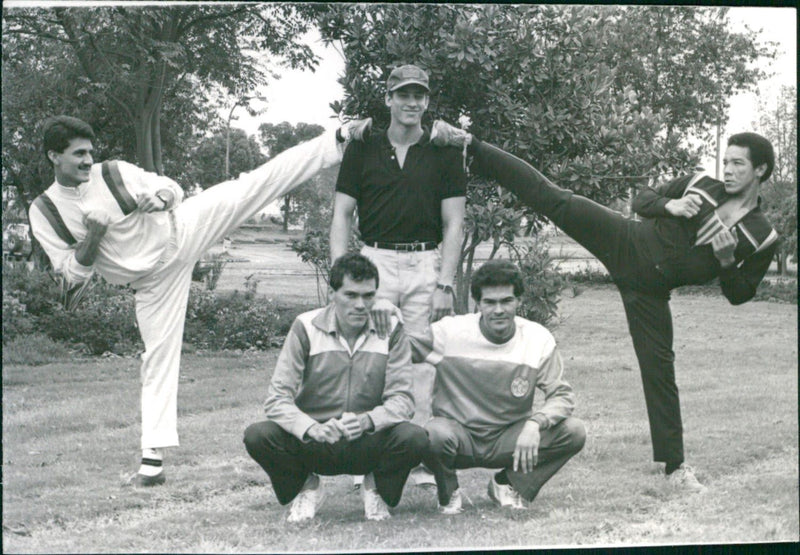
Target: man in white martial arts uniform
<point>131,227</point>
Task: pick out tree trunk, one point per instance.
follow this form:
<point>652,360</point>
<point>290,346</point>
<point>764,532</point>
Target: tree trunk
<point>286,206</point>
<point>158,162</point>
<point>144,142</point>
<point>462,299</point>
<point>461,286</point>
<point>782,263</point>
<point>154,108</point>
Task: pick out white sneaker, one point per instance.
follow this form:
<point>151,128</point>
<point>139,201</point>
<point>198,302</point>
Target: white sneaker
<point>355,130</point>
<point>505,496</point>
<point>454,506</point>
<point>305,505</point>
<point>444,134</point>
<point>375,507</point>
<point>684,479</point>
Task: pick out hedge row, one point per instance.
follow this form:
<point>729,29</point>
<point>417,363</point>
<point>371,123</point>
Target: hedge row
<point>104,320</point>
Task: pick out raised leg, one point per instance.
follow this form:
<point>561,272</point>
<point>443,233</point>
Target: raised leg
<point>601,231</point>
<point>205,218</point>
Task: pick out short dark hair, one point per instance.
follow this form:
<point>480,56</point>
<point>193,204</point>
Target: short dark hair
<point>58,131</point>
<point>357,266</point>
<point>496,272</point>
<point>761,151</point>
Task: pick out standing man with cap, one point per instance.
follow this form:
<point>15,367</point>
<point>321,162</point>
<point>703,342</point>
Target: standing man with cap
<point>410,196</point>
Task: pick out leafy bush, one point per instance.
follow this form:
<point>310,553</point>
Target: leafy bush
<point>100,318</point>
<point>104,322</point>
<point>781,290</point>
<point>543,283</point>
<point>33,349</point>
<point>235,321</point>
<point>589,275</point>
<point>104,319</point>
<point>16,320</point>
<point>36,289</point>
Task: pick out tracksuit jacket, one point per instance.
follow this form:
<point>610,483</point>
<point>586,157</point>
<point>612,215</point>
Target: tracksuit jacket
<point>318,377</point>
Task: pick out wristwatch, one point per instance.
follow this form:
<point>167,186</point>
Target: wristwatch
<point>162,199</point>
<point>445,288</point>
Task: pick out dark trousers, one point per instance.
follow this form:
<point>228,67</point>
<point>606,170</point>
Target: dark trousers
<point>453,447</point>
<point>389,454</point>
<point>610,237</point>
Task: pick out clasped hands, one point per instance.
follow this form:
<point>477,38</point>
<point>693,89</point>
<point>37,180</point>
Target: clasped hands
<point>350,426</point>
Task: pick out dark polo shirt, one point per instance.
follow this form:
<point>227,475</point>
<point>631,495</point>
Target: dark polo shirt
<point>400,205</point>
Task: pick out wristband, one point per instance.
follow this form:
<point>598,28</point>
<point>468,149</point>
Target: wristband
<point>162,199</point>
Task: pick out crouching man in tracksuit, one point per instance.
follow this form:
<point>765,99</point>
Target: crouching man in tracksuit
<point>488,365</point>
<point>340,402</point>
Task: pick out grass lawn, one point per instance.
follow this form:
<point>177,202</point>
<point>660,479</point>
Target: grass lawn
<point>71,433</point>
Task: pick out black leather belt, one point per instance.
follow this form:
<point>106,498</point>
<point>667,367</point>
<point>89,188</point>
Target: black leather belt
<point>404,247</point>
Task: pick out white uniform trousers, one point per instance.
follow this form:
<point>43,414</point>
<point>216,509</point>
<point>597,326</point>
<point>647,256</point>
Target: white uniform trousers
<point>408,280</point>
<point>198,223</point>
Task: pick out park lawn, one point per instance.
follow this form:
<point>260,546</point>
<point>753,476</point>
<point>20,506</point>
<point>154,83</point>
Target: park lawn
<point>70,438</point>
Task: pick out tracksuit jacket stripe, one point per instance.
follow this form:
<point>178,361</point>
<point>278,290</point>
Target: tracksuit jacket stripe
<point>48,208</point>
<point>115,183</point>
<point>753,226</point>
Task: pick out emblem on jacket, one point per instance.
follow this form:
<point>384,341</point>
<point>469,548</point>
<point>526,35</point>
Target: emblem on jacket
<point>519,387</point>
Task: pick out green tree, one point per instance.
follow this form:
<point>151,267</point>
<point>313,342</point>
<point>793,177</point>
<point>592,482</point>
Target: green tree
<point>778,123</point>
<point>209,157</point>
<point>278,138</point>
<point>780,206</point>
<point>531,79</point>
<point>139,76</point>
<point>38,82</point>
<point>135,57</point>
<point>542,82</point>
<point>684,61</point>
<point>312,202</point>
